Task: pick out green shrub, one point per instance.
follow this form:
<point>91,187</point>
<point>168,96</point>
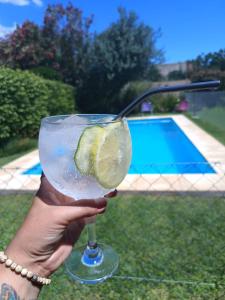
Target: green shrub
<point>46,73</point>
<point>60,99</point>
<point>162,103</point>
<point>130,91</point>
<point>26,98</point>
<point>23,102</point>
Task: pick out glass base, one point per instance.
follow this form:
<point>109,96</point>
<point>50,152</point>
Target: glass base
<point>92,266</point>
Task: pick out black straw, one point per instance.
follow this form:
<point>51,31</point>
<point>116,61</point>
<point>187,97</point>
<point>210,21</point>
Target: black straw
<point>166,89</point>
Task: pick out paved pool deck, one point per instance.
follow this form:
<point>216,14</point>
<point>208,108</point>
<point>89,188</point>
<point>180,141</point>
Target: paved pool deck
<point>11,177</point>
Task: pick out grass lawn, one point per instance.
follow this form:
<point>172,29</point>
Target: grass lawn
<point>214,115</point>
<point>173,244</point>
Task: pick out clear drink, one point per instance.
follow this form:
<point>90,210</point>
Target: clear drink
<point>58,140</point>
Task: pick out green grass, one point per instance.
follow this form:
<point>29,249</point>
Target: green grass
<point>212,120</point>
<point>176,243</point>
<point>214,115</point>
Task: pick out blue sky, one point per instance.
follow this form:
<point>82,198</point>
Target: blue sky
<point>189,27</point>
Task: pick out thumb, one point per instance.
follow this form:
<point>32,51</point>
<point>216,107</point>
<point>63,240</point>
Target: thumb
<point>81,209</point>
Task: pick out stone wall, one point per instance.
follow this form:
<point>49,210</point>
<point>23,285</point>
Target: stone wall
<point>165,69</point>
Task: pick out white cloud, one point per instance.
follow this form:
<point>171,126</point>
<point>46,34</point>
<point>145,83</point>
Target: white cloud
<point>22,2</point>
<point>38,2</point>
<point>16,2</point>
<point>4,30</point>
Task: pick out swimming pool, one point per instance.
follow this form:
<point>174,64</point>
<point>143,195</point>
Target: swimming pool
<point>159,147</point>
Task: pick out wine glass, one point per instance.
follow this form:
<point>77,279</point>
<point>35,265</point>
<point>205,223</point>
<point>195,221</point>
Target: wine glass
<point>85,157</point>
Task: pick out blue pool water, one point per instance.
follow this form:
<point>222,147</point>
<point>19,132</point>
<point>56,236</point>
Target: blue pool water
<point>159,147</point>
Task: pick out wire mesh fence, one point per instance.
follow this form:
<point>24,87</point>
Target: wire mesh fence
<point>168,229</point>
<point>208,107</point>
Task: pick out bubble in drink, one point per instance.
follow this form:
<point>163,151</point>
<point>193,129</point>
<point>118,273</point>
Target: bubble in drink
<point>68,143</point>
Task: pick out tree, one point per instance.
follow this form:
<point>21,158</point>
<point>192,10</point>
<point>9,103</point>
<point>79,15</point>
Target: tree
<point>212,60</point>
<point>97,65</point>
<point>153,73</point>
<point>61,43</point>
<point>66,40</point>
<point>22,49</point>
<point>124,52</point>
<point>209,66</point>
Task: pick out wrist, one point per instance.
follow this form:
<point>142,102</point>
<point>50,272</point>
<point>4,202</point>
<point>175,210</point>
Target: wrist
<point>26,260</point>
<point>24,288</point>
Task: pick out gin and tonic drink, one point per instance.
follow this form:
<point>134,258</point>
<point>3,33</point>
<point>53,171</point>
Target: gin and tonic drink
<point>85,157</point>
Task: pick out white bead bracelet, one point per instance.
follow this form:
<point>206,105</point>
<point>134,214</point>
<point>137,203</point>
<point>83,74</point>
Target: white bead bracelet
<point>35,278</point>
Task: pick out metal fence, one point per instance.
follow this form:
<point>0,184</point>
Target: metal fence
<point>208,106</point>
<point>168,228</point>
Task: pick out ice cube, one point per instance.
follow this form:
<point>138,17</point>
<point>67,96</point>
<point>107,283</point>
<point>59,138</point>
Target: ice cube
<point>74,120</point>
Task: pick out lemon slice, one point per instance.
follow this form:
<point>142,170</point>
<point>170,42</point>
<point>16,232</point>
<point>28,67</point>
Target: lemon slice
<point>105,153</point>
<point>88,140</point>
<point>112,155</point>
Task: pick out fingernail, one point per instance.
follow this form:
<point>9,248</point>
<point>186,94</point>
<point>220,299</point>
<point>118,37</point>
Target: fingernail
<point>112,194</point>
<point>102,211</point>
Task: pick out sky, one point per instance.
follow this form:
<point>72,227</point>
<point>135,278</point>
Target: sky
<point>188,27</point>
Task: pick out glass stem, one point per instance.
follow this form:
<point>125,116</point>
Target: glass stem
<point>91,228</point>
<point>92,255</point>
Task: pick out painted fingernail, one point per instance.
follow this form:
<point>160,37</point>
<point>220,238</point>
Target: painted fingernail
<point>112,194</point>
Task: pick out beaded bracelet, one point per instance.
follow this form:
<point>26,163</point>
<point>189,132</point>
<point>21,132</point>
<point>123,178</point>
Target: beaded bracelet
<point>35,278</point>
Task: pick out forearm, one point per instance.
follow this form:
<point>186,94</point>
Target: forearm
<point>16,287</point>
<point>13,285</point>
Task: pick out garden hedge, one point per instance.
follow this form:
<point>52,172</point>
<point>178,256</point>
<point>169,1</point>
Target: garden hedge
<point>26,98</point>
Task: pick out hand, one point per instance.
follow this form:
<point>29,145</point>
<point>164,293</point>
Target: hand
<point>51,228</point>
